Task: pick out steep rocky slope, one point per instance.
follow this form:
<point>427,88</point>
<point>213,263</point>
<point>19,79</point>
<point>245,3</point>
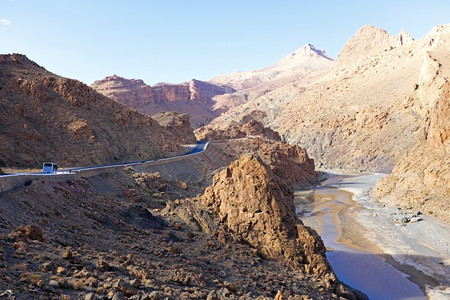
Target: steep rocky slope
<point>193,98</point>
<point>45,117</point>
<point>421,179</point>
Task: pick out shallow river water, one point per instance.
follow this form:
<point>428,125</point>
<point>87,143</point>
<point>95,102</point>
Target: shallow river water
<point>365,271</point>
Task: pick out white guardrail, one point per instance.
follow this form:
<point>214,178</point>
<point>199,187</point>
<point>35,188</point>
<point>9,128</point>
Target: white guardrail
<point>10,181</point>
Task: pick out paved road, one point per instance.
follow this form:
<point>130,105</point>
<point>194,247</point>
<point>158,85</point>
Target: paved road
<point>194,149</point>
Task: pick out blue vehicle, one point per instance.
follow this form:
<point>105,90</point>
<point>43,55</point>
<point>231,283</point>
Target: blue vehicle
<point>49,168</point>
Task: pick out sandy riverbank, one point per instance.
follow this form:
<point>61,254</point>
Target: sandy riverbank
<point>419,249</point>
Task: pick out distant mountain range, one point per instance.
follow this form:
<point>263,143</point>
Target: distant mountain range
<point>194,98</point>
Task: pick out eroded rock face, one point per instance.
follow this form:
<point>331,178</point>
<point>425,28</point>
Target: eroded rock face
<point>193,98</point>
<point>178,124</point>
<point>421,179</point>
<point>50,118</point>
<point>256,208</point>
<point>289,163</point>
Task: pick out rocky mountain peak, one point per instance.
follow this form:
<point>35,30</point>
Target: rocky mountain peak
<point>18,61</point>
<point>16,58</point>
<point>404,38</point>
<point>306,51</point>
<point>367,41</point>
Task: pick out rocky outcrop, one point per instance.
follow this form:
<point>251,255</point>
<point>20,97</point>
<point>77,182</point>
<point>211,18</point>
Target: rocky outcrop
<point>247,204</point>
<point>237,130</point>
<point>193,98</point>
<point>256,208</point>
<point>50,118</point>
<point>178,124</point>
<point>289,163</point>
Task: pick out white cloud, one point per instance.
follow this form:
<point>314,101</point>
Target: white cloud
<point>4,23</point>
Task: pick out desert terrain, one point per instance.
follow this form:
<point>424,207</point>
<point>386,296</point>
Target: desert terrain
<point>223,224</point>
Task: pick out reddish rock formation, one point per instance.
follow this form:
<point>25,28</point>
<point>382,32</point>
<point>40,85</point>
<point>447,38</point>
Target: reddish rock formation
<point>193,98</point>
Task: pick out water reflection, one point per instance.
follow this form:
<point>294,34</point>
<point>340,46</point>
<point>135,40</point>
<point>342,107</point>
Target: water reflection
<point>320,208</point>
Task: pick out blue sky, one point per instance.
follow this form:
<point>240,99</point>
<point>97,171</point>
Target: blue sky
<point>175,41</point>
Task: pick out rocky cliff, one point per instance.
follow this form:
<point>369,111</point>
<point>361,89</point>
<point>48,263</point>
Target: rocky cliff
<point>193,98</point>
<point>258,209</point>
<point>421,179</point>
<point>45,117</point>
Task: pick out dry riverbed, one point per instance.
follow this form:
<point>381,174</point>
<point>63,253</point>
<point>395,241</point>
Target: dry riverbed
<point>350,221</point>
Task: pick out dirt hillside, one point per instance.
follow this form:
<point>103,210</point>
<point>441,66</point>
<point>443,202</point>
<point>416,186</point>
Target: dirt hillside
<point>45,117</point>
<point>139,233</point>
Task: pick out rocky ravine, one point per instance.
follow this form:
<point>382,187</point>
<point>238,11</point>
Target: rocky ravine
<point>193,98</point>
<point>384,98</point>
<point>45,117</point>
<point>134,233</point>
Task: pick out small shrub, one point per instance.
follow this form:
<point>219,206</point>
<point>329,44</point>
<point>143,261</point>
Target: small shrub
<point>157,195</point>
<point>28,204</point>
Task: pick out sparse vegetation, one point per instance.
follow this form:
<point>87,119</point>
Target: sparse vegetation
<point>28,204</point>
<point>157,195</point>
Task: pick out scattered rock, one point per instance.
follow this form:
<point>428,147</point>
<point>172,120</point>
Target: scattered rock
<point>67,254</point>
<point>405,220</point>
<point>49,266</point>
<point>155,295</point>
<point>34,232</point>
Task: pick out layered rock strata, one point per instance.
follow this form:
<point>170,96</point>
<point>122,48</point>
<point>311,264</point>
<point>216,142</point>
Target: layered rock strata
<point>193,98</point>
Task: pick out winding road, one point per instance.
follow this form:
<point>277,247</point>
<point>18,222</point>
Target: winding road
<point>193,150</point>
